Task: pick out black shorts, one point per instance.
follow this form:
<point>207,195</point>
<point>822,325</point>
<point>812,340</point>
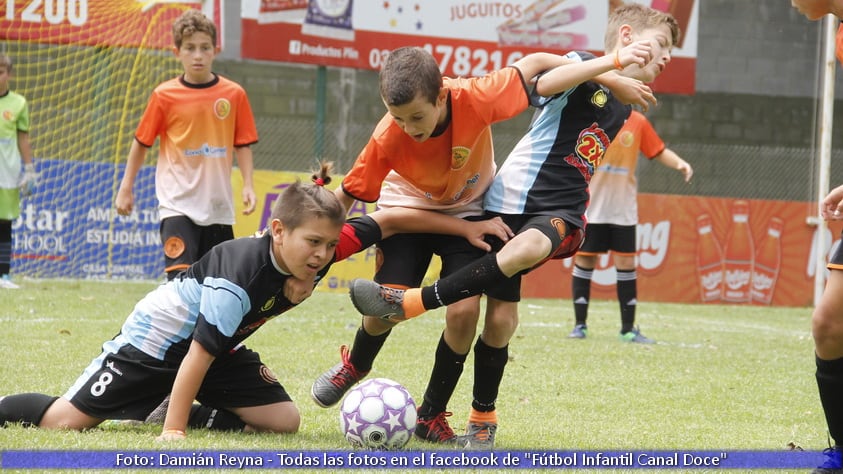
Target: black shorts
<point>565,238</point>
<point>835,262</point>
<point>185,241</point>
<point>601,238</point>
<point>403,259</point>
<point>127,384</point>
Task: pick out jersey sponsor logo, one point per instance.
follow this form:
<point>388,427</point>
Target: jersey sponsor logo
<point>591,144</point>
<point>459,157</point>
<point>174,247</point>
<point>8,115</point>
<point>208,151</point>
<point>599,98</point>
<point>222,107</point>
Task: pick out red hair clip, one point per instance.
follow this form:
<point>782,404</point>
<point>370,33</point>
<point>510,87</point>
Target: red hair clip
<point>319,181</point>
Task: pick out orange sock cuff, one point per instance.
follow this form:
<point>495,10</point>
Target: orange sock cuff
<point>412,304</point>
<point>483,416</point>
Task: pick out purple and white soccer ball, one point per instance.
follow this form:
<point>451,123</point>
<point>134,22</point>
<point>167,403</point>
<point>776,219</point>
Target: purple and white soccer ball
<point>378,414</point>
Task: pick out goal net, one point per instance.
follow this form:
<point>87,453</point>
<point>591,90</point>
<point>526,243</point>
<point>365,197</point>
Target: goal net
<point>87,68</point>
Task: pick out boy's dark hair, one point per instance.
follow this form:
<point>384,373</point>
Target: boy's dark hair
<point>300,202</point>
<point>639,17</point>
<point>190,22</point>
<point>407,73</point>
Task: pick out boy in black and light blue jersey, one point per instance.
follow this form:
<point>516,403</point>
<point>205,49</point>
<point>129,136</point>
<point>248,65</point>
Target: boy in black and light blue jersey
<point>185,338</point>
<point>541,192</point>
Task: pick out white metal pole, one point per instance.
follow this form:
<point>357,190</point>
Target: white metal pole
<point>826,113</point>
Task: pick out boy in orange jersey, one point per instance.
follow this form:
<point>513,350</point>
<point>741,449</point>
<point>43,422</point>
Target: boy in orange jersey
<point>827,319</point>
<point>433,150</point>
<point>612,220</point>
<point>202,120</point>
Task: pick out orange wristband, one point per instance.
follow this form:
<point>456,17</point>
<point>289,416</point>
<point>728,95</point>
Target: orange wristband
<point>617,61</point>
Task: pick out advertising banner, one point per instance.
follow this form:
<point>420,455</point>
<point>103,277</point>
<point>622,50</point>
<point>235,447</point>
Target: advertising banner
<point>124,23</point>
<point>69,227</point>
<point>690,249</point>
<point>709,250</point>
<point>468,38</point>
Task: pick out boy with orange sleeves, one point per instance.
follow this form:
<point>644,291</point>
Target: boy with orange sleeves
<point>202,120</point>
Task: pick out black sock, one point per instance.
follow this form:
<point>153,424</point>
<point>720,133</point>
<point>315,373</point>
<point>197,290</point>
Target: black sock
<point>5,246</point>
<point>214,419</point>
<point>830,385</point>
<point>366,347</point>
<point>489,363</point>
<point>627,298</point>
<point>447,369</point>
<point>468,281</point>
<point>25,408</point>
<point>581,292</point>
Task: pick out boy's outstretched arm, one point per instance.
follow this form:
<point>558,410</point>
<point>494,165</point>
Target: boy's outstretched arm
<point>571,75</point>
<point>401,220</point>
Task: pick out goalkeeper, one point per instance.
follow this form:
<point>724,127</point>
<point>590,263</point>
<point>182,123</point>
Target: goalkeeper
<point>14,147</point>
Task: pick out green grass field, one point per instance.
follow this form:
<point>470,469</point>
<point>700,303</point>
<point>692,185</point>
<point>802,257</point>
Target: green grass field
<point>720,377</point>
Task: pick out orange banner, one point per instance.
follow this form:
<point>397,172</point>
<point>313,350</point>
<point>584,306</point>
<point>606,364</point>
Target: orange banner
<point>709,250</point>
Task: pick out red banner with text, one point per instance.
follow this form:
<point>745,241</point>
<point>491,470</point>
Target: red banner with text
<point>468,38</point>
<point>709,250</point>
<point>124,23</point>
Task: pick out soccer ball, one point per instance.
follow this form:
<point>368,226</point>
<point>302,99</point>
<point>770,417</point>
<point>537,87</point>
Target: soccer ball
<point>378,414</point>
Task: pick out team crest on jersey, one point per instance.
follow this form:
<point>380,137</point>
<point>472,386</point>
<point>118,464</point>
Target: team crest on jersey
<point>599,98</point>
<point>268,305</point>
<point>459,157</point>
<point>627,138</point>
<point>8,115</point>
<point>222,107</point>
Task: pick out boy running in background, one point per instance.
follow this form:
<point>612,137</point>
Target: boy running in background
<point>541,192</point>
<point>612,220</point>
<point>202,120</point>
<point>14,147</point>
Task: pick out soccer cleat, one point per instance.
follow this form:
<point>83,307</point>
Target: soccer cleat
<point>6,282</point>
<point>479,436</point>
<point>330,387</point>
<point>636,336</point>
<point>157,416</point>
<point>435,429</point>
<point>833,462</point>
<point>580,332</point>
<point>372,299</point>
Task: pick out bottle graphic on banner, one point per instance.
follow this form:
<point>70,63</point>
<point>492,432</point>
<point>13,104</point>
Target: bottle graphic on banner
<point>738,255</point>
<point>709,261</point>
<point>768,260</point>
